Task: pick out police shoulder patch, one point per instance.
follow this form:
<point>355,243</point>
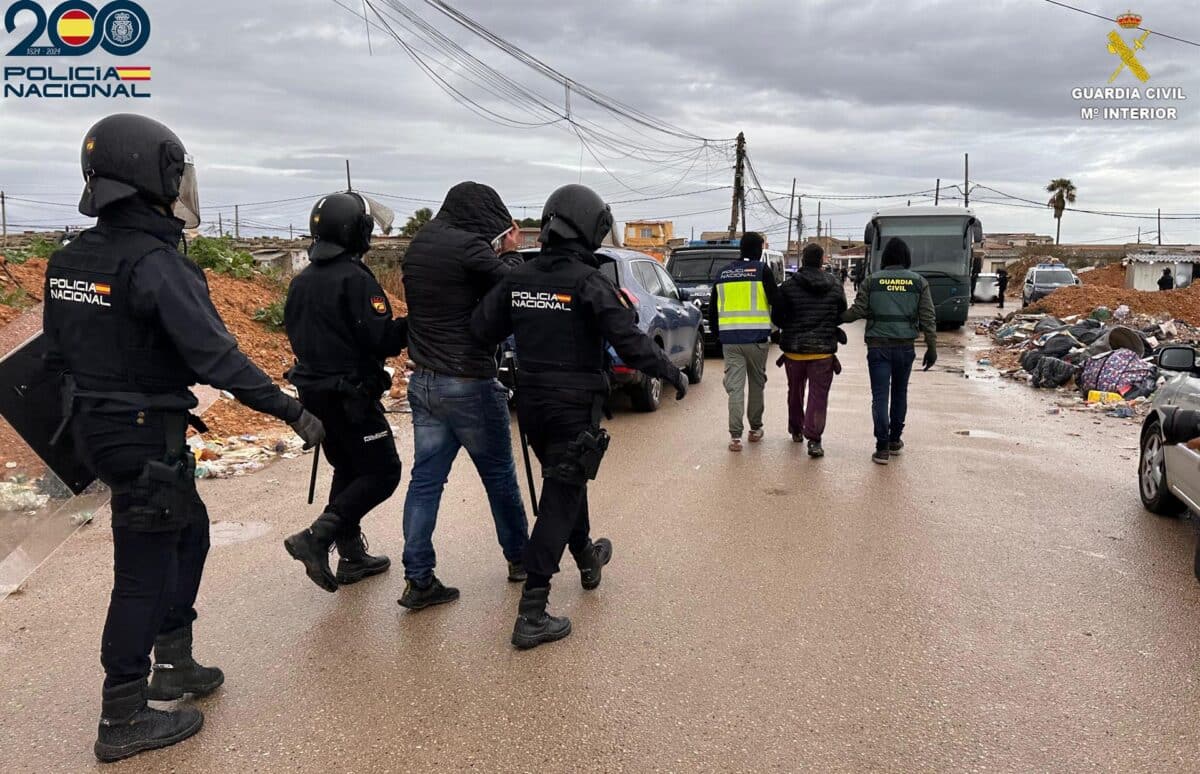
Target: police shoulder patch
<point>379,304</point>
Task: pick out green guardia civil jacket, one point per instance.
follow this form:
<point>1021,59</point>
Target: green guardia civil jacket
<point>897,306</point>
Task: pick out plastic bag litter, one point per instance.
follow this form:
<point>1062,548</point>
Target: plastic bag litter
<point>21,498</point>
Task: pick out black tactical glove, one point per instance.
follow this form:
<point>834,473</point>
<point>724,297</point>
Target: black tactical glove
<point>309,428</point>
<point>930,356</point>
<point>841,336</point>
<point>679,381</point>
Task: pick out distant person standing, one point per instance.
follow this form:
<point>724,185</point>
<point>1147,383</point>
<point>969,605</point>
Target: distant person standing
<point>976,270</point>
<point>808,312</point>
<point>860,270</point>
<point>1166,281</point>
<point>740,316</point>
<point>898,307</point>
<point>1001,285</point>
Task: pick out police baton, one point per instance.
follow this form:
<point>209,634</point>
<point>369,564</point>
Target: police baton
<point>312,481</point>
<point>533,498</point>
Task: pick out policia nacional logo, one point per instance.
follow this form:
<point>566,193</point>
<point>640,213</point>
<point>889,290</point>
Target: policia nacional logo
<point>541,301</point>
<point>80,291</point>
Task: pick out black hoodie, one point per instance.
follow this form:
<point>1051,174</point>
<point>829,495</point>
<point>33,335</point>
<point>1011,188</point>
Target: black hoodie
<point>449,267</point>
<point>808,310</point>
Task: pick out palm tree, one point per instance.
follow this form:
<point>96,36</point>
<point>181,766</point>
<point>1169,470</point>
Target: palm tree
<point>1064,194</point>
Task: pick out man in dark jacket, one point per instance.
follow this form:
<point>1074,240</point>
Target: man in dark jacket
<point>340,325</point>
<point>452,263</point>
<point>562,310</point>
<point>1001,285</point>
<point>130,327</point>
<point>808,311</point>
<point>898,307</point>
<point>1166,281</point>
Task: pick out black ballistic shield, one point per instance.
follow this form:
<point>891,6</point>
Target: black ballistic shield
<point>31,401</point>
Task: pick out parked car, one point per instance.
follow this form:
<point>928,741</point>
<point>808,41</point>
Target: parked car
<point>987,289</point>
<point>664,313</point>
<point>1169,469</point>
<point>695,267</point>
<point>1044,279</point>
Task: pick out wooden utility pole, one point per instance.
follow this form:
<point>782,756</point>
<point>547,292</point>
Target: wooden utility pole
<point>220,225</point>
<point>1139,235</point>
<point>349,187</point>
<point>818,221</point>
<point>1160,225</point>
<point>4,218</point>
<point>791,207</point>
<point>237,222</point>
<point>739,192</point>
<point>966,179</point>
<point>291,235</point>
<point>937,192</point>
<point>800,220</point>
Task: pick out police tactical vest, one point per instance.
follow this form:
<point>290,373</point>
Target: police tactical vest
<point>106,347</point>
<point>553,334</point>
<point>895,303</point>
<point>743,314</point>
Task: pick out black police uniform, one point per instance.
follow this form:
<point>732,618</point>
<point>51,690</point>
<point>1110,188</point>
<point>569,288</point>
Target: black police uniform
<point>129,319</point>
<point>340,325</point>
<point>562,310</point>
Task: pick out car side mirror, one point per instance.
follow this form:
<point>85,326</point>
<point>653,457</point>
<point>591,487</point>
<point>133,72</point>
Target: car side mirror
<point>1177,359</point>
<point>685,295</point>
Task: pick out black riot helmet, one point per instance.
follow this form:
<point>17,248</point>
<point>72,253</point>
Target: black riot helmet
<point>576,212</point>
<point>340,223</point>
<point>127,155</point>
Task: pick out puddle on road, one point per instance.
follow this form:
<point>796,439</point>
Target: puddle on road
<point>227,533</point>
<point>978,433</point>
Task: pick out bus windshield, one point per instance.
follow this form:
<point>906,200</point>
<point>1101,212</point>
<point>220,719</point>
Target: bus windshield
<point>936,244</point>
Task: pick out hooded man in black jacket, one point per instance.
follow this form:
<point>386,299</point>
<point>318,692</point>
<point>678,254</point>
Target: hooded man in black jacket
<point>452,263</point>
<point>340,325</point>
<point>808,312</point>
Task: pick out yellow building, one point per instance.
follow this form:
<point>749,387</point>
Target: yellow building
<point>649,236</point>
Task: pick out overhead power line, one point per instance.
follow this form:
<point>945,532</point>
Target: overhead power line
<point>1111,19</point>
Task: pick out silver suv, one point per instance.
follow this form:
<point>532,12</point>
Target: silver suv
<point>1044,279</point>
<point>1168,468</point>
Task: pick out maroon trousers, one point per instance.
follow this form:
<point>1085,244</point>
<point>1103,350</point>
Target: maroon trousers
<point>815,377</point>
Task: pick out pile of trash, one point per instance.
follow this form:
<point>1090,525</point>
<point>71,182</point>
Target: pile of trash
<point>239,455</point>
<point>1107,355</point>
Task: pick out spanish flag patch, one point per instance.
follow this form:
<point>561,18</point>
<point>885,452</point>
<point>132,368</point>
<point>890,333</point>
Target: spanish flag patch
<point>379,304</point>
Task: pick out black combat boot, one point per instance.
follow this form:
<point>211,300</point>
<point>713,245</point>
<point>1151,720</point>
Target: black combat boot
<point>433,592</point>
<point>355,563</point>
<point>128,726</point>
<point>311,548</point>
<point>516,572</point>
<point>176,672</point>
<point>534,626</point>
<point>591,559</point>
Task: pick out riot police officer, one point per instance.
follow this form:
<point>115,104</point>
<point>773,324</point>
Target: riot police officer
<point>562,310</point>
<point>130,326</point>
<point>340,324</point>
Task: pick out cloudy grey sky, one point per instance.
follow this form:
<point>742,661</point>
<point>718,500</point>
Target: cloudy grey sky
<point>851,98</point>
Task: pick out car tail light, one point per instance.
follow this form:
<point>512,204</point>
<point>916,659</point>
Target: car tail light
<point>629,296</point>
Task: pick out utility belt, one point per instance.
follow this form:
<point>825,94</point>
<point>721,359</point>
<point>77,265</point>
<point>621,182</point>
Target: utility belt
<point>564,380</point>
<point>357,396</point>
<point>166,403</point>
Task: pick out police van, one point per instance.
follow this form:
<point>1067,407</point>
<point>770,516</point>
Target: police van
<point>696,266</point>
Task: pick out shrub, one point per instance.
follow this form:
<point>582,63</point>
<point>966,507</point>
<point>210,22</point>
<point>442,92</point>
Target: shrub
<point>271,315</point>
<point>38,247</point>
<point>220,255</point>
<point>17,297</point>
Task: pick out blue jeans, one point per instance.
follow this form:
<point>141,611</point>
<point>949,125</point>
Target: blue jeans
<point>450,413</point>
<point>890,368</point>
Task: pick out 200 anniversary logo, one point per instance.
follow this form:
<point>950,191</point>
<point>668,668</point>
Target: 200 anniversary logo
<point>72,29</point>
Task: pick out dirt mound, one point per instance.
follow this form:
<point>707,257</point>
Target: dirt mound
<point>1111,276</point>
<point>20,287</point>
<point>1082,299</point>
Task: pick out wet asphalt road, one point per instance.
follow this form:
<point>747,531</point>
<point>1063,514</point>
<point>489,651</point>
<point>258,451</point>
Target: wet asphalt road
<point>995,601</point>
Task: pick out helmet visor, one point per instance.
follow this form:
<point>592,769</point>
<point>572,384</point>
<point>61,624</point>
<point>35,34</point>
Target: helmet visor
<point>187,206</point>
